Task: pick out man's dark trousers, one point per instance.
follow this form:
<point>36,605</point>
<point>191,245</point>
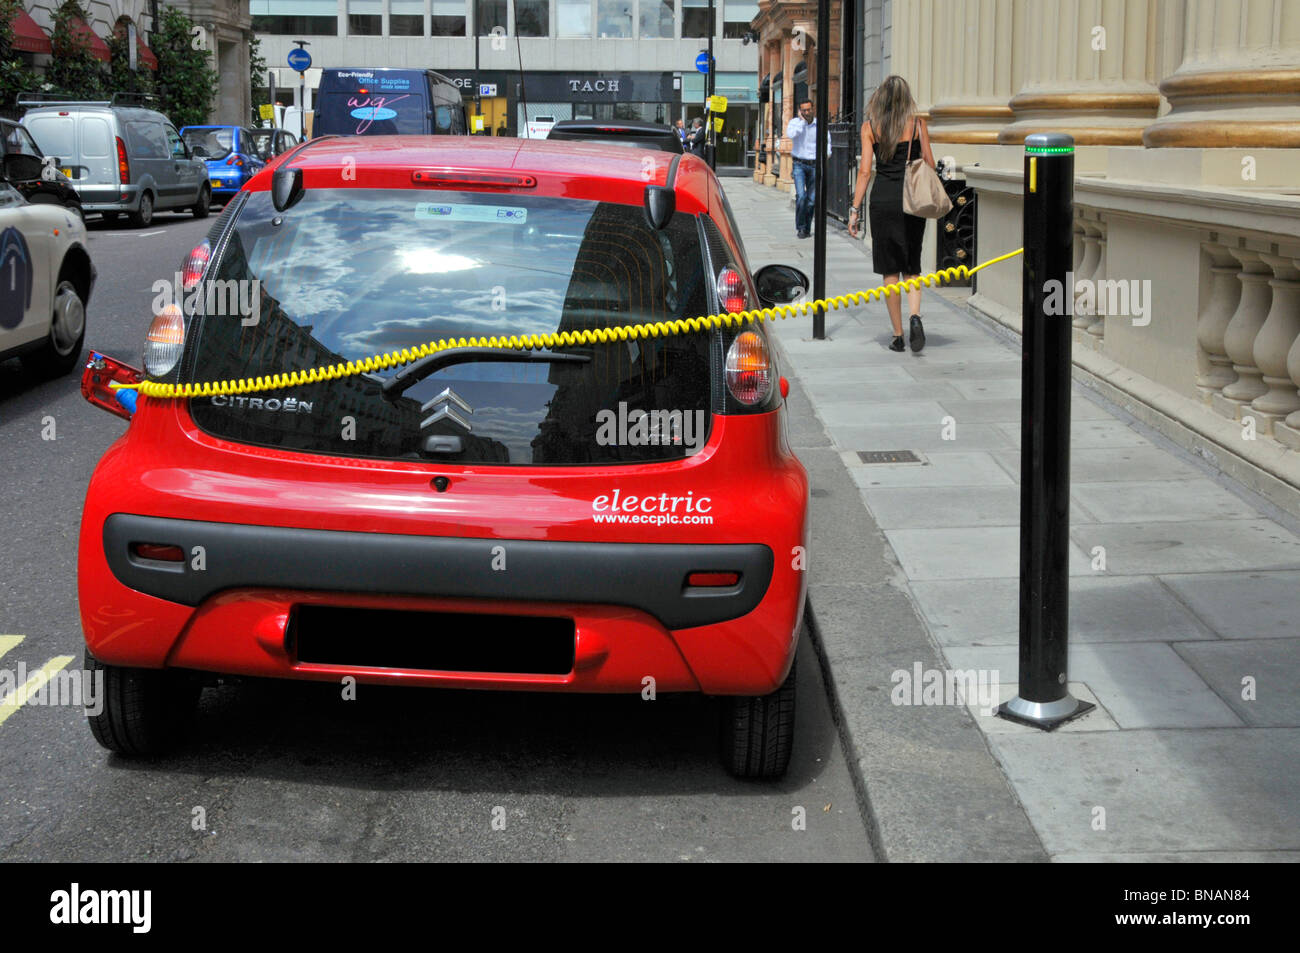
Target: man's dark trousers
<point>805,195</point>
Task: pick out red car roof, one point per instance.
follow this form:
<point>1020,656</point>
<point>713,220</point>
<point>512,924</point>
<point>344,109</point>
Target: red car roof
<point>580,170</point>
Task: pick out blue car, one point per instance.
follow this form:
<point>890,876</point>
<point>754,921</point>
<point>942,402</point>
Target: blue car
<point>232,153</point>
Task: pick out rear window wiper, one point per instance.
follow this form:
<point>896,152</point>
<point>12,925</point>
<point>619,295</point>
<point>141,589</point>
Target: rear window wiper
<point>414,373</point>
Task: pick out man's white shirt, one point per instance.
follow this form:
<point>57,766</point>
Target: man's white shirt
<point>803,142</point>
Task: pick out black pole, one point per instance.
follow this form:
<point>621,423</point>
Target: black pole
<point>710,146</point>
<point>822,120</point>
<point>1044,699</point>
<point>478,31</point>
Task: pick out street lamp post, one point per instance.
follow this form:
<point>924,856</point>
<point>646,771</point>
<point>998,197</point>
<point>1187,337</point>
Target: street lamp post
<point>710,143</point>
<point>823,118</point>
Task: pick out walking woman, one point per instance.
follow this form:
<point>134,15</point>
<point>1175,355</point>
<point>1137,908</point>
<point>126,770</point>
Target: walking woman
<point>892,132</point>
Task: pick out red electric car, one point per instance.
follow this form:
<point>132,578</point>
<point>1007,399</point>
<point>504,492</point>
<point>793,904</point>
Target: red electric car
<point>585,517</point>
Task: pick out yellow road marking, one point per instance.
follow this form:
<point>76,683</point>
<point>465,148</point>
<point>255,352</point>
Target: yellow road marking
<point>9,641</point>
<point>18,697</point>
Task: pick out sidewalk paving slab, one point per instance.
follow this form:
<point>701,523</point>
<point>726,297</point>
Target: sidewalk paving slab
<point>1191,609</point>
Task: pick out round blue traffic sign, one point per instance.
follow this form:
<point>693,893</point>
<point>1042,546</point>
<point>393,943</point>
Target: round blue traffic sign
<point>702,62</point>
<point>299,60</point>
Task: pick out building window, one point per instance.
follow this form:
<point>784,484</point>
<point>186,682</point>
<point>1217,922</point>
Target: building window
<point>657,19</point>
<point>489,14</point>
<point>574,17</point>
<point>533,17</point>
<point>448,18</point>
<point>613,18</point>
<point>295,17</point>
<point>365,17</point>
<point>406,17</point>
<point>737,15</point>
<point>695,18</point>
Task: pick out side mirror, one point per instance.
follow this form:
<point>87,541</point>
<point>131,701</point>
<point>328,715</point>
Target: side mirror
<point>21,168</point>
<point>286,187</point>
<point>780,284</point>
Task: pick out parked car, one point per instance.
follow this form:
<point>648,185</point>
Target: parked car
<point>270,143</point>
<point>47,184</point>
<point>231,153</point>
<point>120,158</point>
<point>386,102</point>
<point>480,518</point>
<point>620,132</point>
<point>46,277</point>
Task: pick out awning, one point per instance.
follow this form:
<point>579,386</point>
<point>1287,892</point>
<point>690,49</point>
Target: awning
<point>98,48</point>
<point>144,56</point>
<point>28,37</point>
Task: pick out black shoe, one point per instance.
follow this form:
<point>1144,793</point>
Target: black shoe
<point>803,235</point>
<point>917,333</point>
<point>897,345</point>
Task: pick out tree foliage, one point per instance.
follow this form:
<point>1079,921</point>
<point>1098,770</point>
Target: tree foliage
<point>257,75</point>
<point>15,77</point>
<point>122,78</point>
<point>74,71</point>
<point>187,83</point>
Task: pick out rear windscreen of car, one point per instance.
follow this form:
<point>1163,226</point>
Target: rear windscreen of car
<point>54,134</point>
<point>352,273</point>
<point>217,143</point>
<point>371,114</point>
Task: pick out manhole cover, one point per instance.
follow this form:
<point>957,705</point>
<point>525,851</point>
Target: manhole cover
<point>888,456</point>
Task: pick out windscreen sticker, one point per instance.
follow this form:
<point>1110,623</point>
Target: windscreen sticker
<point>507,214</point>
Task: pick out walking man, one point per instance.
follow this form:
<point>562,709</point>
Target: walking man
<point>681,132</point>
<point>802,133</point>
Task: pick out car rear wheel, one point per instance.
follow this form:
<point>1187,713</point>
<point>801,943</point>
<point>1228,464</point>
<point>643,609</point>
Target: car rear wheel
<point>144,214</point>
<point>62,349</point>
<point>139,711</point>
<point>758,734</point>
<point>200,210</point>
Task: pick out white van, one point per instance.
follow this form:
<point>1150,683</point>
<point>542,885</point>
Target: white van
<point>120,158</point>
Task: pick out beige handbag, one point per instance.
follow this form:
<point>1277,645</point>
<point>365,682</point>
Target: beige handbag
<point>923,193</point>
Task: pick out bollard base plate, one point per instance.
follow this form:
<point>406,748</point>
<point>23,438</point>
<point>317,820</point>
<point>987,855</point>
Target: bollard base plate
<point>1045,715</point>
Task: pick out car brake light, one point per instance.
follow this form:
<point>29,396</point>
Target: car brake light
<point>452,178</point>
<point>713,579</point>
<point>159,551</point>
<point>164,342</point>
<point>234,160</point>
<point>731,291</point>
<point>194,266</point>
<point>749,369</point>
<point>123,167</point>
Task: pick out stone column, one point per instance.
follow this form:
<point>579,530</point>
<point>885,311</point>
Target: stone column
<point>1212,323</point>
<point>1288,433</point>
<point>1239,338</point>
<point>974,83</point>
<point>1097,327</point>
<point>788,56</point>
<point>1088,72</point>
<point>1236,85</point>
<point>1281,329</point>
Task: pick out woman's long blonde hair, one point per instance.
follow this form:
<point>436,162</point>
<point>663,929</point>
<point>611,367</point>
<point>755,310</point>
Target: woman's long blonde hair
<point>890,107</point>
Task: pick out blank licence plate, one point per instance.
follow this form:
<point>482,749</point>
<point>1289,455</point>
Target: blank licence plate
<point>216,183</point>
<point>67,172</point>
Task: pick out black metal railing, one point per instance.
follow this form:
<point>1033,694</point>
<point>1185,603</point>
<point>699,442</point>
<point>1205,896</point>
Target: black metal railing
<point>841,169</point>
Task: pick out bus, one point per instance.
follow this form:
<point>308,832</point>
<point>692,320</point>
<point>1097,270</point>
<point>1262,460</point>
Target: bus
<point>387,102</point>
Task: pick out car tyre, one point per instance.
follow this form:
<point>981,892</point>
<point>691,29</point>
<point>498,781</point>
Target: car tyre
<point>61,351</point>
<point>141,711</point>
<point>144,214</point>
<point>758,734</point>
<point>201,209</point>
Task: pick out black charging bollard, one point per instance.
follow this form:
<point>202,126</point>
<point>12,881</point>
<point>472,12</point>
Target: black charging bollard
<point>1044,698</point>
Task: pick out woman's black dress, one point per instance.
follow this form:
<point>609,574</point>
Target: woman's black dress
<point>895,235</point>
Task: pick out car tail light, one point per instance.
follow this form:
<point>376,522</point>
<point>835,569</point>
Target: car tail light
<point>195,264</point>
<point>749,369</point>
<point>713,580</point>
<point>162,552</point>
<point>123,167</point>
<point>164,342</point>
<point>731,291</point>
<point>234,160</point>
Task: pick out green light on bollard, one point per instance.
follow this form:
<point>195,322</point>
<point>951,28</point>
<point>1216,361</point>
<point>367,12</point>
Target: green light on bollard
<point>1048,150</point>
